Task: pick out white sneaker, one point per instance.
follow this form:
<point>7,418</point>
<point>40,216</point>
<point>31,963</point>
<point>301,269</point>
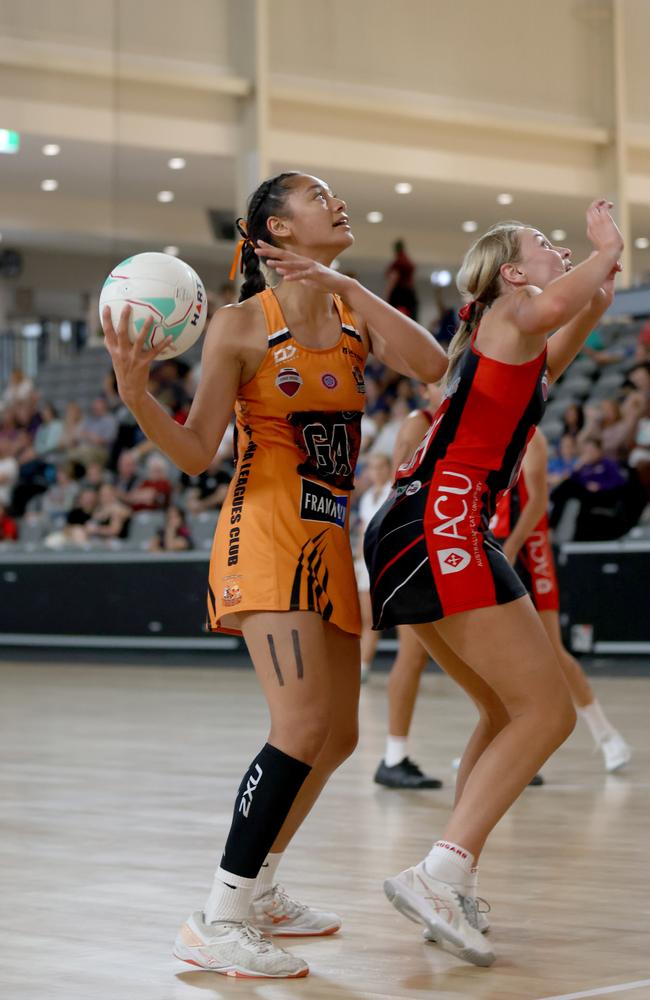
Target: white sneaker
<point>480,912</point>
<point>615,751</point>
<point>449,917</point>
<point>234,949</point>
<point>276,913</point>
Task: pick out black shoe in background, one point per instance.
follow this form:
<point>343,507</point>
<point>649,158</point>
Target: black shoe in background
<point>406,774</point>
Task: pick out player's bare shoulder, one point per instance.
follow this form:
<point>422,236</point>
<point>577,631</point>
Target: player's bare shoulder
<point>239,331</point>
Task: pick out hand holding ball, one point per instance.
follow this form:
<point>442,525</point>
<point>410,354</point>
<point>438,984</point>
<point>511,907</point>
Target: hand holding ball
<point>164,289</point>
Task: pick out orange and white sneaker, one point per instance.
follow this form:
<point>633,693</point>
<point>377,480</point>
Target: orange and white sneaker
<point>278,914</point>
<point>234,949</point>
<point>449,918</point>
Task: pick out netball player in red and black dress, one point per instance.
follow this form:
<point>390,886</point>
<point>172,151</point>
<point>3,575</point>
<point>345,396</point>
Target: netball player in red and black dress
<point>521,525</point>
<point>435,566</point>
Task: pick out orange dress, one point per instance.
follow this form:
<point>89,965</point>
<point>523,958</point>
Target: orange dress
<point>282,539</point>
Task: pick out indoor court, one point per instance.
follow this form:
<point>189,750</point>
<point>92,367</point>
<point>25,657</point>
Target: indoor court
<point>324,380</point>
<point>115,794</point>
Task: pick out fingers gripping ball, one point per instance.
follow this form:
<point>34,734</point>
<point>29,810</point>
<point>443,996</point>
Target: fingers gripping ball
<point>163,287</point>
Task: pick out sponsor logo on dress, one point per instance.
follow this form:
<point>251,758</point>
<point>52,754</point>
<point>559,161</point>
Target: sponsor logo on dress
<point>317,503</point>
<point>409,488</point>
<point>456,515</point>
<point>231,591</point>
<point>329,381</point>
<point>283,354</point>
<point>359,380</point>
<point>453,560</point>
<point>542,581</point>
<point>238,497</point>
<point>288,381</point>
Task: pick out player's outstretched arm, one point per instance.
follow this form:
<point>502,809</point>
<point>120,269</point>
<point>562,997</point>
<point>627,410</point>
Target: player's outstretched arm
<point>396,340</point>
<point>193,445</point>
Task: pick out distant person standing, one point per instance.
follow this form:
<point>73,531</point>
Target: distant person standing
<point>400,283</point>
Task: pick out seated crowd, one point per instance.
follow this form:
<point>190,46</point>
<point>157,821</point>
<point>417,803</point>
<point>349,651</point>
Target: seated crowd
<point>86,479</point>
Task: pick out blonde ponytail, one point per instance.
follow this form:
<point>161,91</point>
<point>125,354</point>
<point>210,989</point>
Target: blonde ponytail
<point>478,280</point>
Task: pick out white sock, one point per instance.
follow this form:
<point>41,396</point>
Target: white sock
<point>599,725</point>
<point>266,877</point>
<point>230,897</point>
<point>365,668</point>
<point>472,889</point>
<point>396,750</point>
<point>450,863</point>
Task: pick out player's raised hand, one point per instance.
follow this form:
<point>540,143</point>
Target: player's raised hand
<point>131,361</point>
<point>602,231</point>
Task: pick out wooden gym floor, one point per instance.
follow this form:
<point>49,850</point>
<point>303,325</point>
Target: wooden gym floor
<point>117,784</point>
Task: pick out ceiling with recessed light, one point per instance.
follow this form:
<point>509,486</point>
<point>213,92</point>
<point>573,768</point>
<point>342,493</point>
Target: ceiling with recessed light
<point>417,144</point>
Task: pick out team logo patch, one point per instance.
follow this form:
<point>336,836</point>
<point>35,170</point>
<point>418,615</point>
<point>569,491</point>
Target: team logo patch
<point>288,381</point>
<point>359,379</point>
<point>231,591</point>
<point>317,503</point>
<point>413,487</point>
<point>283,354</point>
<point>329,381</point>
<point>453,560</point>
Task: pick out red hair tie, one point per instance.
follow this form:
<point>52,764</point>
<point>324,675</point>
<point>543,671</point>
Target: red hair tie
<point>465,313</point>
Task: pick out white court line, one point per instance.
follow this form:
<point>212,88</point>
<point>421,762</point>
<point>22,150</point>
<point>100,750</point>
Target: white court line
<point>601,991</point>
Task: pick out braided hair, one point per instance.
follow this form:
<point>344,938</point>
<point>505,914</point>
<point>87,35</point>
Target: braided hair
<point>269,199</point>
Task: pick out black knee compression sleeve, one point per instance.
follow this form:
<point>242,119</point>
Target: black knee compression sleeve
<point>264,799</point>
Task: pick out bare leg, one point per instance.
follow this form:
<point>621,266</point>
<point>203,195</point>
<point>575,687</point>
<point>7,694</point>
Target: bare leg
<point>506,646</point>
<point>404,681</point>
<point>369,638</point>
<point>311,683</point>
<point>492,713</point>
<point>580,688</point>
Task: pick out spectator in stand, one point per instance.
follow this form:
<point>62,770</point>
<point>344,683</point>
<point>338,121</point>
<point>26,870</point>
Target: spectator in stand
<point>74,531</point>
<point>18,388</point>
<point>639,378</point>
<point>58,500</point>
<point>96,434</point>
<point>8,526</point>
<point>8,470</point>
<point>614,424</point>
<point>639,459</point>
<point>127,475</point>
<point>573,419</point>
<point>596,350</point>
<point>174,536</point>
<point>561,465</point>
<point>444,326</point>
<point>208,490</point>
<point>109,389</point>
<point>400,282</point>
<point>95,476</point>
<point>47,440</point>
<point>384,443</point>
<point>111,517</point>
<point>610,502</point>
<point>72,427</point>
<point>155,490</point>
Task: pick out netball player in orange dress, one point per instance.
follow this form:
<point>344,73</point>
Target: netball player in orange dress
<point>434,564</point>
<point>521,524</point>
<point>290,361</point>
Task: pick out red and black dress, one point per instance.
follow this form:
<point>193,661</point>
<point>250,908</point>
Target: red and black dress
<point>429,549</point>
<point>535,564</point>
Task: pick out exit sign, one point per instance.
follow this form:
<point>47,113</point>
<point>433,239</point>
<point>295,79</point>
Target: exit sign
<point>9,141</point>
